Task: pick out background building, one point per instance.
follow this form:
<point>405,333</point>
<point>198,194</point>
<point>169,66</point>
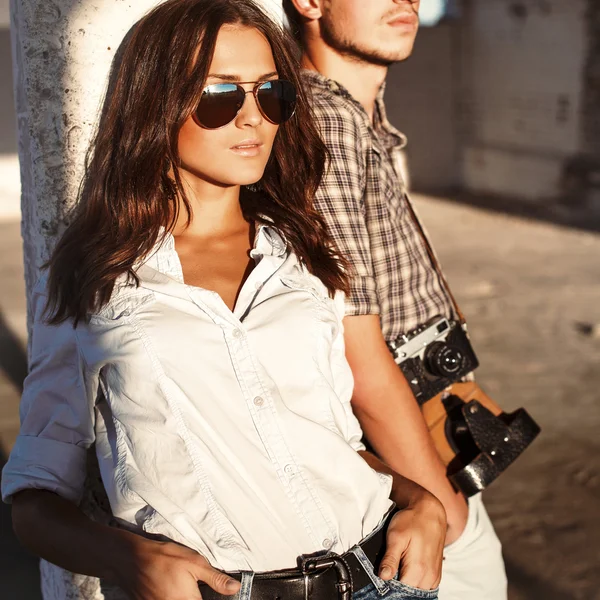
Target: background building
<point>504,101</point>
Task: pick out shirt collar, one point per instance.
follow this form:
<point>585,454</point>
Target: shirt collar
<point>268,241</point>
<point>394,138</point>
<point>381,126</point>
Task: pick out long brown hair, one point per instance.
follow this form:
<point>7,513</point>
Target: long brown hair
<point>128,194</point>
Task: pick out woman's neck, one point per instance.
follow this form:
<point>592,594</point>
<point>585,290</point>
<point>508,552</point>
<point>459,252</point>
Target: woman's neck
<point>215,210</point>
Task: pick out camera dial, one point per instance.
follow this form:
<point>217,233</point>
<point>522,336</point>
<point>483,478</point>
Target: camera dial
<point>443,360</point>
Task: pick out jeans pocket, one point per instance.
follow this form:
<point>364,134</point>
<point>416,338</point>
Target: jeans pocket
<point>408,592</point>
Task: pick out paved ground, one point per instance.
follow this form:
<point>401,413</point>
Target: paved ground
<point>531,291</point>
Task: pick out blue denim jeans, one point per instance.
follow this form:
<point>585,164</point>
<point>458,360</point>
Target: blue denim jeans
<point>393,589</point>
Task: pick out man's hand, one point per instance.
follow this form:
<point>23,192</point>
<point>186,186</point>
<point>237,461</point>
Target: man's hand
<point>168,571</point>
<point>415,544</point>
<point>416,535</point>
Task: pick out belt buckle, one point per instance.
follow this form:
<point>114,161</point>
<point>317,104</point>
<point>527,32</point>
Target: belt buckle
<point>311,564</point>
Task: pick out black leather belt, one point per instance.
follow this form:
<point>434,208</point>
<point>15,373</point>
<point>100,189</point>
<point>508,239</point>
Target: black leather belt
<point>318,577</point>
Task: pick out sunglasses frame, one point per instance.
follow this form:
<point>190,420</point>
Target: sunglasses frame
<point>254,91</point>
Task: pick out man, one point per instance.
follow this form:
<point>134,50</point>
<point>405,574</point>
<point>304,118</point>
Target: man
<point>348,46</point>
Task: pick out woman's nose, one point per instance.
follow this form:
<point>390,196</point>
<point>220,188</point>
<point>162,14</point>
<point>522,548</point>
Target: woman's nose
<point>250,113</point>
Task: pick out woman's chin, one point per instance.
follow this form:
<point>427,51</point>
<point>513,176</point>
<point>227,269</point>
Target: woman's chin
<point>234,177</point>
<point>249,178</point>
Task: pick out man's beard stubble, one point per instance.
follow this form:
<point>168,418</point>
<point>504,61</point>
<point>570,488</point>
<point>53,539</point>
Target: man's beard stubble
<point>350,49</point>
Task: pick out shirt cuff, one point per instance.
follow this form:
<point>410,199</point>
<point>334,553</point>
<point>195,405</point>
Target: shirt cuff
<point>362,299</point>
<point>44,464</point>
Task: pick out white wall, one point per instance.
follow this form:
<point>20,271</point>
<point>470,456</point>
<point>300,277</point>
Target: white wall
<point>521,94</point>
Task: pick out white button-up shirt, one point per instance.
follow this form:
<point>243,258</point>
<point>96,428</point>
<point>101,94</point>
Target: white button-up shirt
<point>229,432</point>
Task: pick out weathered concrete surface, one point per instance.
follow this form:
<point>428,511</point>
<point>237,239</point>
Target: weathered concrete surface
<point>532,295</point>
<point>62,52</point>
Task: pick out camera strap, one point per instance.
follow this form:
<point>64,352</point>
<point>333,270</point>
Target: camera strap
<point>434,259</point>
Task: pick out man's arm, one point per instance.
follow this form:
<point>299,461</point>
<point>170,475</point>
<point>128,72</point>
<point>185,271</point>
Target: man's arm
<point>382,400</point>
<point>391,419</point>
<point>55,529</point>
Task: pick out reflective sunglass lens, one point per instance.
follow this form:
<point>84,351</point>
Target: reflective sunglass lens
<point>277,100</point>
<point>219,105</point>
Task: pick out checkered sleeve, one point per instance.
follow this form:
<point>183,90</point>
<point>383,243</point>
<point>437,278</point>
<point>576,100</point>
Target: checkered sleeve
<point>340,199</point>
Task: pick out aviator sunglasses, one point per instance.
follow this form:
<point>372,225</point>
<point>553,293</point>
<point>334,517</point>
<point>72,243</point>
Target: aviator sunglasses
<point>220,103</point>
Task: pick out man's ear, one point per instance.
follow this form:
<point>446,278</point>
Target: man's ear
<point>308,9</point>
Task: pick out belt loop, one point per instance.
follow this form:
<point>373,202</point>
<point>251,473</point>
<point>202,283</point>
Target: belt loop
<point>246,589</point>
<point>306,584</point>
<point>381,586</point>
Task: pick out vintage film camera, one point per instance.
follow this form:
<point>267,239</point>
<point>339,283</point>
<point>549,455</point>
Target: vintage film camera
<point>475,439</point>
<point>434,356</point>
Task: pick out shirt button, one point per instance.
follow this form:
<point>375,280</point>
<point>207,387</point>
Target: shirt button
<point>258,401</point>
<point>289,469</point>
<point>327,543</point>
<point>237,333</point>
<point>258,285</point>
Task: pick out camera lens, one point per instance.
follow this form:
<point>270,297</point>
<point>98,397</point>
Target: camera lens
<point>444,360</point>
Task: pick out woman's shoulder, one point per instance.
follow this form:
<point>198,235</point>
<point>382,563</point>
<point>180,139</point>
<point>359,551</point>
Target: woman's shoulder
<point>127,297</point>
<point>298,276</point>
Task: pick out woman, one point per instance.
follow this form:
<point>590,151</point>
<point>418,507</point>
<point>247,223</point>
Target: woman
<point>190,329</point>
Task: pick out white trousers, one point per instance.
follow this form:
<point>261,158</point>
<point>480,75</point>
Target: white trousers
<point>473,566</point>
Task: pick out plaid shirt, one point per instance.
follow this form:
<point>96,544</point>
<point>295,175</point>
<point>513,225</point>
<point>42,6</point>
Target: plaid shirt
<point>363,199</point>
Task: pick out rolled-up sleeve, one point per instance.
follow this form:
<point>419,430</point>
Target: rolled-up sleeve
<point>56,411</point>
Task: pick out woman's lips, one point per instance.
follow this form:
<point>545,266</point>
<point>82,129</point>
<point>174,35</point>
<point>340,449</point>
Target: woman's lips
<point>247,148</point>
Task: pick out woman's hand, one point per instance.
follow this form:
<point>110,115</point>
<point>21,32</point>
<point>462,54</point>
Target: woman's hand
<point>415,543</point>
<point>169,571</point>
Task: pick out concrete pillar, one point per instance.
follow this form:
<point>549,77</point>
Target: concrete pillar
<point>62,52</point>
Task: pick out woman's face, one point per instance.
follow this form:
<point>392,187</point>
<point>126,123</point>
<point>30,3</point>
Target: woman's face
<point>237,153</point>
